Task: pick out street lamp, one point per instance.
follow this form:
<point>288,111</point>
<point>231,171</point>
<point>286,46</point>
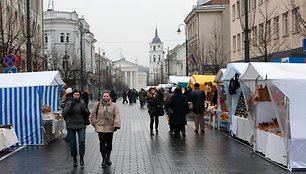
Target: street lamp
<point>29,43</point>
<point>178,32</point>
<point>82,32</point>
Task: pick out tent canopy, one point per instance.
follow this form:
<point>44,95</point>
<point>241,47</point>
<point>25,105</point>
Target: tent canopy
<point>232,69</point>
<point>290,79</point>
<point>201,79</point>
<point>177,79</point>
<point>41,78</point>
<point>219,75</point>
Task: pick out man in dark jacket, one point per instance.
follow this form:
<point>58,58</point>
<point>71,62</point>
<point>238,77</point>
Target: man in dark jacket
<point>198,98</point>
<point>142,97</point>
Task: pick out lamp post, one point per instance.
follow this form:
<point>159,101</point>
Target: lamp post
<point>82,32</point>
<point>178,32</point>
<point>246,33</point>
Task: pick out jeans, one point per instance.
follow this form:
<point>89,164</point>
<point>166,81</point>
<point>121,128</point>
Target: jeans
<point>199,121</point>
<point>73,143</point>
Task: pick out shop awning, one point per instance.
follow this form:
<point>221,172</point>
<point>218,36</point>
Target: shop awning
<point>201,79</point>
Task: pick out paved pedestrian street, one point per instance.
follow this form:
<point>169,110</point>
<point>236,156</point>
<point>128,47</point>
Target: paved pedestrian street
<point>135,151</point>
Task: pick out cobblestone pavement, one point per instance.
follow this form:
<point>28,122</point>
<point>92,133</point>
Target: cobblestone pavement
<point>135,151</point>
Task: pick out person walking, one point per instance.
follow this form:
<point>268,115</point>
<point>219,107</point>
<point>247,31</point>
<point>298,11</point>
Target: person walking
<point>169,109</point>
<point>142,97</point>
<point>66,97</point>
<point>113,96</point>
<point>105,118</point>
<point>155,108</point>
<point>180,108</point>
<point>197,98</point>
<point>124,95</point>
<point>75,113</point>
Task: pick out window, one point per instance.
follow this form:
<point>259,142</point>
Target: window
<point>276,27</point>
<point>238,9</point>
<point>259,2</point>
<point>238,42</point>
<point>233,12</point>
<point>261,34</point>
<point>67,37</point>
<point>150,58</point>
<point>62,38</point>
<point>158,46</point>
<point>253,4</point>
<point>254,35</point>
<point>268,32</point>
<point>46,38</point>
<point>154,59</point>
<point>296,20</point>
<point>234,43</point>
<point>154,48</point>
<point>242,40</point>
<point>285,24</point>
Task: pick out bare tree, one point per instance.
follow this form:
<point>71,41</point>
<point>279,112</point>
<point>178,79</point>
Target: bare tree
<point>262,41</point>
<point>265,40</point>
<point>213,55</point>
<point>299,22</point>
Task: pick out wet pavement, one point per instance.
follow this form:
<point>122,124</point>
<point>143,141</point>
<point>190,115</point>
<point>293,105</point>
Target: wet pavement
<point>135,151</point>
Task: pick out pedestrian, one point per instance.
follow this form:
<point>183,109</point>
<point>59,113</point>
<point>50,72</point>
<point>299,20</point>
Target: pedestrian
<point>124,95</point>
<point>113,96</point>
<point>76,113</point>
<point>105,119</point>
<point>85,97</point>
<point>155,108</point>
<point>142,97</point>
<point>169,109</point>
<point>197,98</point>
<point>180,108</point>
<point>66,97</point>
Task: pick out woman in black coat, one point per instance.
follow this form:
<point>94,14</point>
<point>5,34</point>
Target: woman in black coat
<point>180,108</point>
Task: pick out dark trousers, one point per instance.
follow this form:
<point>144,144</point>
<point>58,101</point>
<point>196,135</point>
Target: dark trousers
<point>124,100</point>
<point>152,118</point>
<point>178,129</point>
<point>106,142</point>
<point>73,143</point>
<point>141,103</point>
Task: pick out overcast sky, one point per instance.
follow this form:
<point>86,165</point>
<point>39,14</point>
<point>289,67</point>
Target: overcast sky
<point>128,26</point>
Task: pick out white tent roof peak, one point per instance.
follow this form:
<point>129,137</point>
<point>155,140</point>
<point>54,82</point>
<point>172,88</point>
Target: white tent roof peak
<point>232,69</point>
<point>41,78</point>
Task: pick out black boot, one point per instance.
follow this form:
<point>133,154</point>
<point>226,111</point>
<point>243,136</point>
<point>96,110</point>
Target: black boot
<point>108,161</point>
<point>82,164</point>
<point>104,159</point>
<point>75,161</point>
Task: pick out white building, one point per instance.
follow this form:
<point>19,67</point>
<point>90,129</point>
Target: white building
<point>275,30</point>
<point>156,59</point>
<point>62,41</point>
<point>131,75</point>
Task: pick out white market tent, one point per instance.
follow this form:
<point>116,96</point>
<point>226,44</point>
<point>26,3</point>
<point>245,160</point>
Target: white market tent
<point>177,79</point>
<point>219,75</point>
<point>21,98</point>
<point>232,99</point>
<point>290,79</point>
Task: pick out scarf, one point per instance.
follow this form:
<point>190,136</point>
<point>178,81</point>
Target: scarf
<point>107,114</point>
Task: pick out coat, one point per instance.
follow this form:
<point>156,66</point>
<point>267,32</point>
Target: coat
<point>75,113</point>
<point>102,120</point>
<point>198,98</point>
<point>154,104</point>
<point>180,108</point>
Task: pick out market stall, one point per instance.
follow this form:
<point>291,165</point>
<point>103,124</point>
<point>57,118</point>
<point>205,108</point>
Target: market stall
<point>8,137</point>
<point>240,123</point>
<point>276,102</point>
<point>181,81</point>
<point>22,96</point>
<point>222,117</point>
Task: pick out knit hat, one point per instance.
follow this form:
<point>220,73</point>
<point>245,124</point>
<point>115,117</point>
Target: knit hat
<point>68,90</point>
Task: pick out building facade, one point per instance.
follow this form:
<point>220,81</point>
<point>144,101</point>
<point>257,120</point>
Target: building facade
<point>275,29</point>
<point>67,40</point>
<point>208,37</point>
<point>129,72</point>
<point>13,18</point>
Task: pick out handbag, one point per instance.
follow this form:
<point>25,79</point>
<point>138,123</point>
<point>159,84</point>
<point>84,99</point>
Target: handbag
<point>160,111</point>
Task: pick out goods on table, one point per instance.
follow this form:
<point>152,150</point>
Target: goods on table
<point>271,127</point>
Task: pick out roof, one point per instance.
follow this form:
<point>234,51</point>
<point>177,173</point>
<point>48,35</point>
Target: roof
<point>156,39</point>
<point>217,2</point>
<point>41,78</point>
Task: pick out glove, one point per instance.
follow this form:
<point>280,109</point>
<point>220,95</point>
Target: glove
<point>116,128</point>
